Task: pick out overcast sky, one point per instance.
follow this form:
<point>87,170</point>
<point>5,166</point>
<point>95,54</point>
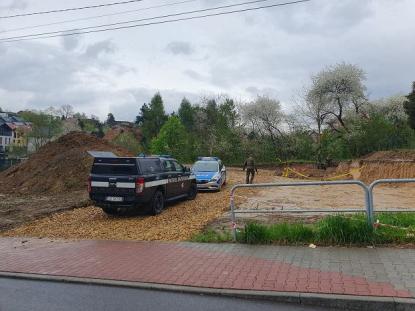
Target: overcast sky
<point>269,52</point>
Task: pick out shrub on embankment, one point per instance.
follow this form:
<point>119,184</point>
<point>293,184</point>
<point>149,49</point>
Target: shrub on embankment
<point>346,230</point>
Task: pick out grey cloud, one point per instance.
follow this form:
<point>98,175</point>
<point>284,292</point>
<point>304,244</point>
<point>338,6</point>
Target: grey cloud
<point>128,102</point>
<point>14,5</point>
<point>99,48</point>
<point>180,47</point>
<point>259,91</point>
<point>321,17</point>
<point>195,75</point>
<point>50,76</point>
<point>70,42</point>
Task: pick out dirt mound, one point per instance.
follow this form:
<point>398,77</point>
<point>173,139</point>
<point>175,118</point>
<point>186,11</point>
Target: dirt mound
<point>116,131</point>
<point>388,164</point>
<point>391,156</point>
<point>58,166</point>
<point>380,170</point>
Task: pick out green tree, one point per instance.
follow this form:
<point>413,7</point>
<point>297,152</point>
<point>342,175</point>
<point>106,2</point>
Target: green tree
<point>378,133</point>
<point>410,107</point>
<point>151,119</point>
<point>44,127</point>
<point>129,142</point>
<point>172,140</point>
<point>110,119</point>
<point>187,114</point>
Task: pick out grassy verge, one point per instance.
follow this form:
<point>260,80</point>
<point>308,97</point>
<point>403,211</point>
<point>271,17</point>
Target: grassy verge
<point>346,230</point>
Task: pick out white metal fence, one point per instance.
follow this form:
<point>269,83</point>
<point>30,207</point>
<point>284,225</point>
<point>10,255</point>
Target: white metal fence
<point>367,206</point>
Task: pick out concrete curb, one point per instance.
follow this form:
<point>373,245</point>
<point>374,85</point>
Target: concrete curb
<point>345,302</point>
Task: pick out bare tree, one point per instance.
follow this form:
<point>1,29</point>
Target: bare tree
<point>66,111</point>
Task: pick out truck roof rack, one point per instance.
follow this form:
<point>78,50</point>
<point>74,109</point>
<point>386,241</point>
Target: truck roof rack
<point>102,154</point>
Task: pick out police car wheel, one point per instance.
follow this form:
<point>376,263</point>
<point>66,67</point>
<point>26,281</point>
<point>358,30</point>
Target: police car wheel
<point>192,192</point>
<point>157,204</point>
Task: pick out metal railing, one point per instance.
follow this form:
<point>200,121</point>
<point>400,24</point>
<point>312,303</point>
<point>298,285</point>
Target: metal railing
<point>386,181</point>
<point>367,209</point>
<point>368,191</point>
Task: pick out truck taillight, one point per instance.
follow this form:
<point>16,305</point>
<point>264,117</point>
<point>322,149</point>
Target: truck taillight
<point>89,184</point>
<point>139,185</point>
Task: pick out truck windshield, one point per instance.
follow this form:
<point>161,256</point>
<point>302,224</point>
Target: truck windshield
<point>206,166</point>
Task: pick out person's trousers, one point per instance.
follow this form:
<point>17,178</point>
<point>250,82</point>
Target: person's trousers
<point>250,174</point>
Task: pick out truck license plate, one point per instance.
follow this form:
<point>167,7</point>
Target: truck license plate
<point>115,199</point>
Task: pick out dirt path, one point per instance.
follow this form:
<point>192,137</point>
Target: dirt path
<point>330,197</point>
<point>18,209</point>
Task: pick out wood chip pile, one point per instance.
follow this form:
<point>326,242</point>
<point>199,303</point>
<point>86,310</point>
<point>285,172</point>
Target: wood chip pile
<point>177,223</point>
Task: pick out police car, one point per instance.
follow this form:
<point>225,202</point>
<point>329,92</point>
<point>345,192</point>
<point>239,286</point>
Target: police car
<point>210,173</point>
<point>119,183</point>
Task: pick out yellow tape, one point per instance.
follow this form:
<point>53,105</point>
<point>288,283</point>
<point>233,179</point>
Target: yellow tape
<point>286,174</point>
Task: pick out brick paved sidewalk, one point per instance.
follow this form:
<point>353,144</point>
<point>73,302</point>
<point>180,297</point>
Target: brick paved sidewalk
<point>351,271</point>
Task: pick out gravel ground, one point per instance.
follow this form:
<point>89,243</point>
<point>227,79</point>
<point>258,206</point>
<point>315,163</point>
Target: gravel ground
<point>181,220</point>
<point>177,223</point>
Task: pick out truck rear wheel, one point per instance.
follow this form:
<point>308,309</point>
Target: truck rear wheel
<point>157,203</point>
<point>110,210</point>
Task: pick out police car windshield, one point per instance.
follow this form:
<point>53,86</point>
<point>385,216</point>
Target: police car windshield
<point>206,166</point>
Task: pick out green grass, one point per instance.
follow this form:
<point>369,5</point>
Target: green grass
<point>397,219</point>
<point>284,233</point>
<point>343,230</point>
<point>212,236</point>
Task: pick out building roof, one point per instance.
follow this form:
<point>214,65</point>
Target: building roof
<point>13,121</point>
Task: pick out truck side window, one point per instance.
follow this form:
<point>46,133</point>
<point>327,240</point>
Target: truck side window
<point>168,166</point>
<point>178,167</point>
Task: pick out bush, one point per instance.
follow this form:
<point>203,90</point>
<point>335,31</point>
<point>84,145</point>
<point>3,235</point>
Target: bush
<point>128,141</point>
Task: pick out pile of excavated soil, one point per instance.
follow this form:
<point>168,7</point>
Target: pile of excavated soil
<point>391,156</point>
<point>113,133</point>
<point>388,164</point>
<point>61,165</point>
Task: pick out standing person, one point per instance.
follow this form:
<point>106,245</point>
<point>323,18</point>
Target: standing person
<point>251,168</point>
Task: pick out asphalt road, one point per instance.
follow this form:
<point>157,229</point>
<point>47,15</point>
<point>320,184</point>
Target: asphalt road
<point>19,295</point>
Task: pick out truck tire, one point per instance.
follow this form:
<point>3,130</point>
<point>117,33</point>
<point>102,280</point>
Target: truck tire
<point>191,195</point>
<point>110,211</point>
<point>157,203</point>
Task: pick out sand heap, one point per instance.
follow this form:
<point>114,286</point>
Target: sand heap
<point>61,165</point>
<point>387,164</point>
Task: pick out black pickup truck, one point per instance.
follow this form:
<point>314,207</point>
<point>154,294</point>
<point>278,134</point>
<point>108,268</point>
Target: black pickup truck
<point>116,184</point>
